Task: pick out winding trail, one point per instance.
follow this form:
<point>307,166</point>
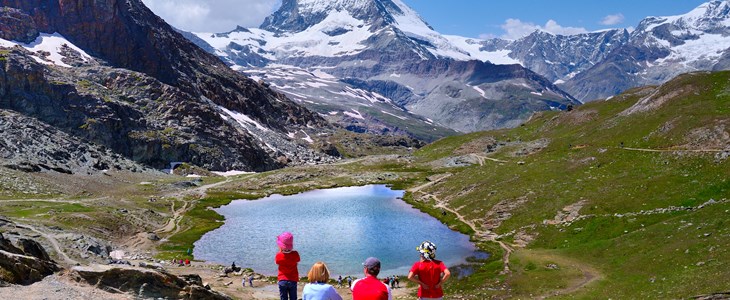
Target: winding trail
<point>676,150</point>
<point>481,159</point>
<point>484,234</point>
<point>53,242</point>
<point>173,224</point>
<point>590,274</point>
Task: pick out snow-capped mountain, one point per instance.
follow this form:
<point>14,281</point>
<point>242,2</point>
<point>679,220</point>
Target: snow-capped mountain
<point>384,47</point>
<point>659,49</point>
<point>63,67</point>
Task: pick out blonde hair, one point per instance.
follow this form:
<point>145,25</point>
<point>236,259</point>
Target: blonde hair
<point>319,273</point>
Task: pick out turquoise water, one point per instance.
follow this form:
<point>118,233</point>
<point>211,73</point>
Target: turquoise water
<point>340,226</point>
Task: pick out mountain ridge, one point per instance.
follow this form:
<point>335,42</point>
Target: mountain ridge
<point>156,105</point>
<point>387,45</point>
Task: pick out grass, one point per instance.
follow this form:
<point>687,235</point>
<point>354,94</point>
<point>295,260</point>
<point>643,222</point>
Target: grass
<point>42,209</point>
<point>579,158</point>
<point>198,221</point>
<point>584,161</point>
<point>564,158</point>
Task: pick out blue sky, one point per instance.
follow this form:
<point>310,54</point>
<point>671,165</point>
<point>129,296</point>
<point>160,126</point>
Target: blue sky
<point>471,18</point>
<point>474,18</point>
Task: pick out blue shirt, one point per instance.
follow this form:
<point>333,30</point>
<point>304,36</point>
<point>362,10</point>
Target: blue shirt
<point>320,291</point>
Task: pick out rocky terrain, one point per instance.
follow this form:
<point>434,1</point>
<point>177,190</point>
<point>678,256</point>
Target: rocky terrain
<point>153,105</point>
<point>29,145</point>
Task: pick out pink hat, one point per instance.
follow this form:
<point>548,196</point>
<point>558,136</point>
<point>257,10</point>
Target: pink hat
<point>285,241</point>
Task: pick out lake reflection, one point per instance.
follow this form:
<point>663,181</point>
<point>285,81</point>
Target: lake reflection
<point>340,226</point>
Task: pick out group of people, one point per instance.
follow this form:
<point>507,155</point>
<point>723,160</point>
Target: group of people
<point>181,262</point>
<point>393,281</point>
<point>428,273</point>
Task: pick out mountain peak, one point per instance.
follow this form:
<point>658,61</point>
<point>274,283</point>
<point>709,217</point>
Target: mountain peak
<point>704,17</point>
<point>298,15</point>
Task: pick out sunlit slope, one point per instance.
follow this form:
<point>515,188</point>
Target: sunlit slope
<point>634,187</point>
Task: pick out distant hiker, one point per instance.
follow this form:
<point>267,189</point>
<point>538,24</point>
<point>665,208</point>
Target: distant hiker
<point>429,273</point>
<point>287,259</point>
<point>349,282</point>
<point>397,282</point>
<point>443,212</point>
<point>187,262</point>
<point>250,280</point>
<point>317,288</point>
<point>339,281</point>
<point>392,282</point>
<point>370,288</point>
<point>622,144</point>
<point>233,266</point>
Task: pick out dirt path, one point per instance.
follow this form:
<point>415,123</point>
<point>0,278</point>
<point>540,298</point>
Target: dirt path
<point>430,183</point>
<point>478,232</point>
<point>676,150</point>
<point>200,191</point>
<point>590,274</point>
<point>53,242</point>
<point>173,224</point>
<point>481,159</point>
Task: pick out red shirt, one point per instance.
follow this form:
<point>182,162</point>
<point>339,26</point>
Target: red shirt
<point>370,288</point>
<point>288,265</point>
<point>429,272</point>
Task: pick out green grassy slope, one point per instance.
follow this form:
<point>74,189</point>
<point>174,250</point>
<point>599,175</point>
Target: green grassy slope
<point>599,157</point>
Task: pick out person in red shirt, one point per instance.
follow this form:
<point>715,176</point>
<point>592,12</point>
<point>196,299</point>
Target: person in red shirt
<point>287,259</point>
<point>429,273</point>
<point>370,287</point>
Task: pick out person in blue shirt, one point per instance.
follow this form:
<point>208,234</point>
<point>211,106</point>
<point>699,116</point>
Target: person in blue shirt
<point>318,288</point>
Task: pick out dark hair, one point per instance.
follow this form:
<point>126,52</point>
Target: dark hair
<point>374,270</point>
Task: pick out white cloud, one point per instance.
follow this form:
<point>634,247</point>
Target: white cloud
<point>611,20</point>
<point>515,29</point>
<point>212,15</point>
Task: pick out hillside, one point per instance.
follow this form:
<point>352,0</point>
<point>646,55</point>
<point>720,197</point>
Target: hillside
<point>630,194</point>
<point>624,198</point>
<point>114,74</point>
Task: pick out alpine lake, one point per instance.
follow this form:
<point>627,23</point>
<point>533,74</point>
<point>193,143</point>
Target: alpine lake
<point>341,227</point>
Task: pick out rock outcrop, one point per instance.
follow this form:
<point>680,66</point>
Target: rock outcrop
<point>17,26</point>
<point>24,265</point>
<point>145,283</point>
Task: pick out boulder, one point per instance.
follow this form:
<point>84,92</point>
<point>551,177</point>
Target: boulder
<point>8,246</point>
<point>24,270</point>
<point>193,279</point>
<point>145,283</point>
<point>33,248</point>
<point>153,236</point>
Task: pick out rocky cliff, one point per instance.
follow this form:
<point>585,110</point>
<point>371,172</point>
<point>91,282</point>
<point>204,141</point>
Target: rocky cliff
<point>112,73</point>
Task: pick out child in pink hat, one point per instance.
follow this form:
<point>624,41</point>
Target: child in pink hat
<point>287,259</point>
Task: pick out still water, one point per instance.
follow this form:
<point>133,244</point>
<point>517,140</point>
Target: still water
<point>340,226</point>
